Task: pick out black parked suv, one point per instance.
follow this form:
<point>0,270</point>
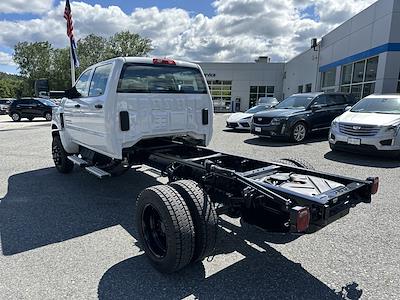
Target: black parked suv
<point>31,108</point>
<point>298,115</point>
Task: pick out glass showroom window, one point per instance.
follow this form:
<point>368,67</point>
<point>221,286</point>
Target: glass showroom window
<point>256,92</point>
<point>221,93</point>
<point>328,78</point>
<point>300,89</point>
<point>359,78</point>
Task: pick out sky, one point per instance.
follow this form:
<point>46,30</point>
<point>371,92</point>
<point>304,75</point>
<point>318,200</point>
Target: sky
<point>194,30</point>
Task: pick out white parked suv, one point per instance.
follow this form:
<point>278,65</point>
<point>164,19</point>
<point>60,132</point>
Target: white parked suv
<point>119,102</point>
<point>370,126</point>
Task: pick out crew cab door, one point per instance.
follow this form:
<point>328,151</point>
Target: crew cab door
<point>72,107</point>
<point>93,125</point>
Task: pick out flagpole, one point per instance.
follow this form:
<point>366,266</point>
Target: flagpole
<point>72,64</point>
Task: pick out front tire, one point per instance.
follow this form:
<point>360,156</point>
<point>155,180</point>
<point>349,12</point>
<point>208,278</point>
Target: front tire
<point>299,132</point>
<point>48,116</point>
<point>165,228</point>
<point>204,216</point>
<point>16,117</point>
<point>60,156</point>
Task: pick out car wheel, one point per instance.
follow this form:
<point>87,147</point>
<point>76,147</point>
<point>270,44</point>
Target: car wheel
<point>60,156</point>
<point>299,132</point>
<point>48,116</point>
<point>165,228</point>
<point>16,117</point>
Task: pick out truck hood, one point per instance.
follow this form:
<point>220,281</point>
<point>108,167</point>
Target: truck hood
<point>236,117</point>
<point>376,119</point>
<point>279,113</point>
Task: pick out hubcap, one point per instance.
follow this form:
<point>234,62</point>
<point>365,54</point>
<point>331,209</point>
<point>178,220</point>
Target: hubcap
<point>15,117</point>
<point>154,231</point>
<point>299,132</point>
<point>48,117</point>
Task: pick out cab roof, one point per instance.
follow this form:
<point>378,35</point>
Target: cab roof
<point>152,61</point>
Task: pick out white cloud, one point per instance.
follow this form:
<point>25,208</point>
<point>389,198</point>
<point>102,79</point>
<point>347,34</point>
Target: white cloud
<point>241,30</point>
<point>21,6</point>
<point>6,59</point>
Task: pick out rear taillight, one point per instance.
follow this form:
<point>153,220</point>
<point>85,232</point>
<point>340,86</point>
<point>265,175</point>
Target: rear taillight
<point>163,61</point>
<point>374,185</point>
<point>299,219</point>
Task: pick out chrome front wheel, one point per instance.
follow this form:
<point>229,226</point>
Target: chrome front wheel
<point>299,132</point>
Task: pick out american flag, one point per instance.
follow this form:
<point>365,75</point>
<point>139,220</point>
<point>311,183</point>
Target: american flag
<point>70,32</point>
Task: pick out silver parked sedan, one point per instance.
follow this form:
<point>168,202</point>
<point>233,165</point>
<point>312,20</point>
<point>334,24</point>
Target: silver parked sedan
<point>370,126</point>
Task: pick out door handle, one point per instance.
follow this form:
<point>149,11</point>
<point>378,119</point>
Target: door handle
<point>99,106</point>
<point>77,106</point>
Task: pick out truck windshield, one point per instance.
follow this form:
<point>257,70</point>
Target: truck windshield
<point>378,105</point>
<point>145,78</point>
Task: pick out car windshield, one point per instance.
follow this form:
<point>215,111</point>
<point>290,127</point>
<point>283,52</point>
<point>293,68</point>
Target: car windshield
<point>255,109</point>
<point>47,102</point>
<point>268,100</point>
<point>295,102</point>
<point>378,105</point>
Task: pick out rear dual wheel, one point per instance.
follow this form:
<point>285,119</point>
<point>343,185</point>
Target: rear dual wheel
<point>177,225</point>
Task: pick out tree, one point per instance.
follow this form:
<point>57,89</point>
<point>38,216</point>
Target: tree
<point>9,85</point>
<point>126,43</point>
<point>91,49</point>
<point>60,74</point>
<point>40,60</point>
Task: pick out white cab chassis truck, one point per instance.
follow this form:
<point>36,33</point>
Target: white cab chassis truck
<point>159,112</point>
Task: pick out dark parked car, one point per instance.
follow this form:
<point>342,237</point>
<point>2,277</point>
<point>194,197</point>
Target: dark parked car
<point>298,115</point>
<point>4,105</point>
<point>31,108</point>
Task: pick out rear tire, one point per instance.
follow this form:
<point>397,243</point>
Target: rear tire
<point>296,162</point>
<point>204,216</point>
<point>165,228</point>
<point>60,156</point>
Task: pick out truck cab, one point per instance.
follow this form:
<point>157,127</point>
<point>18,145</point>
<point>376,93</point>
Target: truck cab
<point>119,102</point>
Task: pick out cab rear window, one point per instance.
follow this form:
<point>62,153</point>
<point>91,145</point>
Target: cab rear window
<point>145,78</point>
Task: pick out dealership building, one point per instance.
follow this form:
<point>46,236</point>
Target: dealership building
<point>361,56</point>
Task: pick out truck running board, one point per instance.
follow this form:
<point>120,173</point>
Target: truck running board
<point>78,161</point>
<point>99,173</point>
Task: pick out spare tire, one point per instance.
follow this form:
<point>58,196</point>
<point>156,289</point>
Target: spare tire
<point>165,228</point>
<point>204,216</point>
<point>296,162</point>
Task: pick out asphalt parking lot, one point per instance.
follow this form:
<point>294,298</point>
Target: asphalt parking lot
<point>72,236</point>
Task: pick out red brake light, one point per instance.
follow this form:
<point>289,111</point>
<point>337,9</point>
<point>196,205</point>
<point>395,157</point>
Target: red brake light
<point>299,218</point>
<point>375,184</point>
<point>163,61</point>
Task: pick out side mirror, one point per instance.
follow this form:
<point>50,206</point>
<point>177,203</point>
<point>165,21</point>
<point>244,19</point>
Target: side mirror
<point>347,108</point>
<point>72,93</point>
<point>316,107</point>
